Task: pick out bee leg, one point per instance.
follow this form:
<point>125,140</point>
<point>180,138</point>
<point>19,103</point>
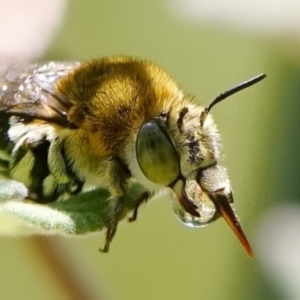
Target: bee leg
<point>27,141</point>
<point>61,182</point>
<point>116,210</point>
<point>117,176</point>
<point>56,182</point>
<point>56,162</point>
<point>143,198</point>
<point>110,233</point>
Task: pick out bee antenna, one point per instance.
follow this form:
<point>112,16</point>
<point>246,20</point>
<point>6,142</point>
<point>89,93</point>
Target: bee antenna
<point>228,93</point>
<point>182,113</point>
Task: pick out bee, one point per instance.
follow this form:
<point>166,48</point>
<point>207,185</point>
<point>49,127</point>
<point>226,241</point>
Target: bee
<point>66,128</point>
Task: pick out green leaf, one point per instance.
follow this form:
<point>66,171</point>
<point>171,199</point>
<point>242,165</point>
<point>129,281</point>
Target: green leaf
<point>81,214</point>
<point>11,189</point>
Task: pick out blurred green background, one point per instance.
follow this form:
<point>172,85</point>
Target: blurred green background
<point>157,257</point>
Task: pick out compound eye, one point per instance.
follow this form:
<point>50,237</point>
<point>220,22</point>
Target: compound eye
<point>156,154</point>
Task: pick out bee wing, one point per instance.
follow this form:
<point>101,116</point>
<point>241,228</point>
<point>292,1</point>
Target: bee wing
<point>29,91</point>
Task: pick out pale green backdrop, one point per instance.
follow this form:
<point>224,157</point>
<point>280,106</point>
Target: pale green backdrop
<point>157,257</point>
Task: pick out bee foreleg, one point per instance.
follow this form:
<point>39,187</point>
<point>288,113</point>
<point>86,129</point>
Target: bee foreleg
<point>116,209</point>
<point>117,176</point>
<point>143,198</point>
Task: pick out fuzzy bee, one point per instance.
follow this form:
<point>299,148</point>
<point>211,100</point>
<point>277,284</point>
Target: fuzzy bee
<point>66,128</point>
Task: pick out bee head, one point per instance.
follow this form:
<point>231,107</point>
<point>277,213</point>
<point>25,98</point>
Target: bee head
<point>177,149</point>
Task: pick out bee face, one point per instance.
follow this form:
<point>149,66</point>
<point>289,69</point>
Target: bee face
<point>175,147</point>
<point>107,122</point>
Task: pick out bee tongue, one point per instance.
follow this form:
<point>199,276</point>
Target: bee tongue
<point>224,208</point>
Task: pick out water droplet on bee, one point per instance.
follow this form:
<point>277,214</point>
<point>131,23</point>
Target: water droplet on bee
<point>205,207</point>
